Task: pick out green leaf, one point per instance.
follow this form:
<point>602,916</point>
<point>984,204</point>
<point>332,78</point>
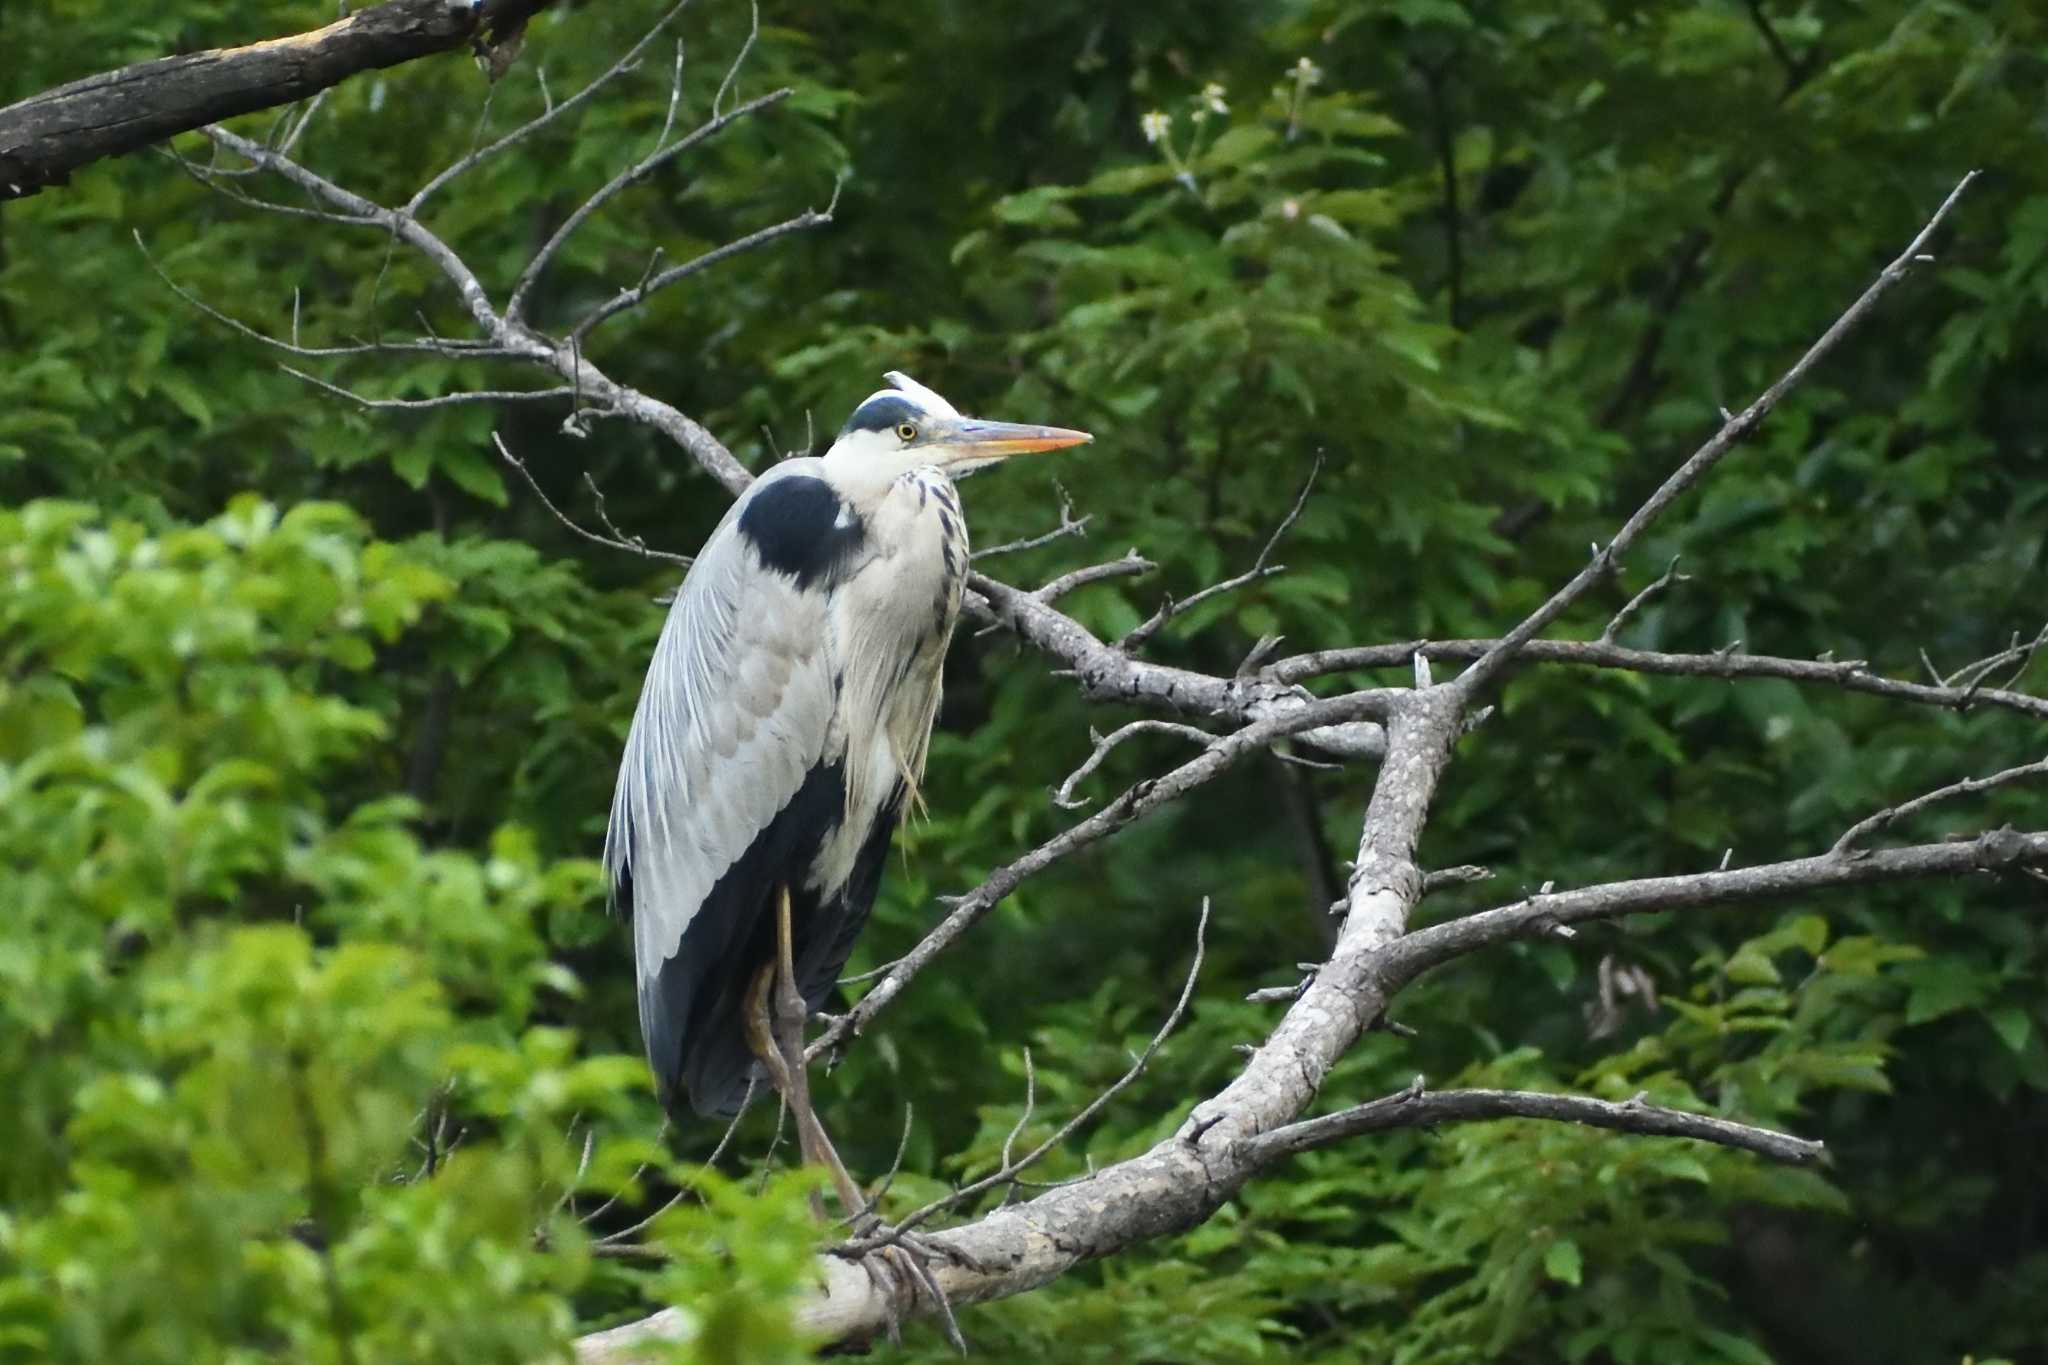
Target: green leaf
<point>1941,986</point>
<point>2012,1024</point>
<point>1561,1261</point>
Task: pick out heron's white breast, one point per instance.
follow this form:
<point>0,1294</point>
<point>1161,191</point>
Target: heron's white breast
<point>892,621</point>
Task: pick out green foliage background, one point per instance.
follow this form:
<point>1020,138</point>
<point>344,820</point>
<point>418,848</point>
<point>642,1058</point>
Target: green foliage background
<point>307,714</point>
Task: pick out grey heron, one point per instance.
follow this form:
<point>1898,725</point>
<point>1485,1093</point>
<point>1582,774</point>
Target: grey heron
<point>781,731</point>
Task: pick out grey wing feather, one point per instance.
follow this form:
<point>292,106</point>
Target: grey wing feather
<point>738,705</point>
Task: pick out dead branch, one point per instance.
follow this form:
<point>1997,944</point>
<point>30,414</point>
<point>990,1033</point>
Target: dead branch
<point>1850,675</point>
<point>1995,851</point>
<point>1064,797</point>
<point>1884,819</point>
<point>1169,609</point>
<point>46,137</point>
<point>614,541</point>
<point>631,298</point>
<point>1640,600</point>
<point>1736,428</point>
<point>1009,1170</point>
<point>1070,525</point>
<point>515,306</point>
<point>1131,804</point>
<point>1416,1107</point>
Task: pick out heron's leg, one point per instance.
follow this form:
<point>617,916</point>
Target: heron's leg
<point>760,1027</point>
<point>789,1016</point>
<point>767,1049</point>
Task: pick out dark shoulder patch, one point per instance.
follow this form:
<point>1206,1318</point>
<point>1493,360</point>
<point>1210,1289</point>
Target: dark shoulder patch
<point>796,525</point>
<point>882,412</point>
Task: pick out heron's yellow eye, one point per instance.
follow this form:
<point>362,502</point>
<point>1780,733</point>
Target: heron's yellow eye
<point>906,432</point>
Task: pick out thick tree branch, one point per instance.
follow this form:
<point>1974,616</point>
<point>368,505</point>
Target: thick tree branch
<point>1107,674</point>
<point>46,137</point>
<point>1133,803</point>
<point>1010,1168</point>
<point>2002,850</point>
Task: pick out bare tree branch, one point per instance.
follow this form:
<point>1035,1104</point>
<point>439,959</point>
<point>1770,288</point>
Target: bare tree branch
<point>614,541</point>
<point>1130,805</point>
<point>1851,675</point>
<point>47,136</point>
<point>1640,600</point>
<point>1884,819</point>
<point>629,298</point>
<point>1064,797</point>
<point>506,336</point>
<point>1995,851</point>
<point>1419,1108</point>
<point>1108,674</point>
<point>397,222</point>
<point>456,399</point>
<point>1070,525</point>
<point>1733,430</point>
<point>1169,609</point>
<point>1009,1170</point>
<point>515,306</point>
<point>549,115</point>
<point>1129,566</point>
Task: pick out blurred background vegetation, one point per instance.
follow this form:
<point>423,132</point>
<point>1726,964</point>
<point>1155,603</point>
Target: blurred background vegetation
<point>315,1040</point>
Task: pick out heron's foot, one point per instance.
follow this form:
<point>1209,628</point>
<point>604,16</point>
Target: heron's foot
<point>901,1273</point>
<point>929,1248</point>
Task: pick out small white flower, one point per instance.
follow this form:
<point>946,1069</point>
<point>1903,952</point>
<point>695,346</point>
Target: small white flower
<point>1155,124</point>
<point>1212,99</point>
<point>1308,73</point>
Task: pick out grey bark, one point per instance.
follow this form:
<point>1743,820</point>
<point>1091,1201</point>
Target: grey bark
<point>47,136</point>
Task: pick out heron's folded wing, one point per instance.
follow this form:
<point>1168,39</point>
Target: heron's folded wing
<point>736,710</point>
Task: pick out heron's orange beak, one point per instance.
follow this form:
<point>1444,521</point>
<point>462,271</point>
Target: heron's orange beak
<point>978,441</point>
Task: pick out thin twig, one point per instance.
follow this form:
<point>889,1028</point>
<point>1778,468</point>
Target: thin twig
<point>1024,1118</point>
<point>446,400</point>
<point>1070,525</point>
<point>1420,950</point>
<point>536,266</point>
<point>1971,678</point>
<point>454,349</point>
<point>1732,432</point>
<point>1169,609</point>
<point>1419,1108</point>
<point>1635,604</point>
<point>1969,786</point>
<point>609,542</point>
<point>1059,587</point>
<point>874,1201</point>
<point>631,298</point>
<point>1010,1169</point>
<point>1064,797</point>
<point>732,72</point>
<point>552,112</point>
<point>1851,675</point>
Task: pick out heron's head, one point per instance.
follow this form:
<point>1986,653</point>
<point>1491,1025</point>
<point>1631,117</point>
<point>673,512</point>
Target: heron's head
<point>907,426</point>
